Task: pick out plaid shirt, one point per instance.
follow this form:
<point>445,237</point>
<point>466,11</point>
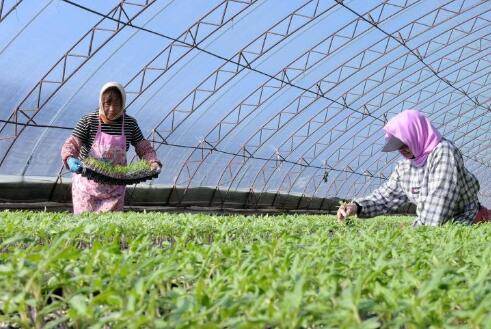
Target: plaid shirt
<point>442,190</point>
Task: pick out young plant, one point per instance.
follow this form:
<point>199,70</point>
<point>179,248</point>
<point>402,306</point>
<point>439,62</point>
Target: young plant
<point>105,172</point>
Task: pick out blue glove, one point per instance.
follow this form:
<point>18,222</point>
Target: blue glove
<point>75,165</point>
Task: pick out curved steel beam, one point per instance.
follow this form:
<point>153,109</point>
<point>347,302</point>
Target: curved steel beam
<point>198,32</point>
<point>402,41</point>
<point>367,139</point>
<point>319,147</point>
<point>318,122</point>
<point>306,159</point>
<point>276,34</point>
<point>307,129</point>
<point>387,163</point>
<point>378,161</point>
<point>66,67</point>
<point>29,22</point>
<point>5,11</point>
<point>194,36</point>
<point>480,49</point>
<point>269,88</point>
<point>210,23</point>
<point>291,149</point>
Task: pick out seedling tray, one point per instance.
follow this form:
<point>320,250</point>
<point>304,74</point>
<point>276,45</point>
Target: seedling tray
<point>106,173</point>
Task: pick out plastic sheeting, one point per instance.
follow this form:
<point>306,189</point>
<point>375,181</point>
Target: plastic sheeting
<point>270,96</point>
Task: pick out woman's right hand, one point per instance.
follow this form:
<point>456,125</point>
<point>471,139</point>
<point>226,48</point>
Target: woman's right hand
<point>346,210</point>
<point>74,165</point>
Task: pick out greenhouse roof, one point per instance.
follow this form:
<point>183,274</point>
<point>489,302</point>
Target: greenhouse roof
<point>264,96</point>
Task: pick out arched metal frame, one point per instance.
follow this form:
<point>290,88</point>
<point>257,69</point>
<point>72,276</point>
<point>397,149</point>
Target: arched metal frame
<point>268,89</point>
<point>359,132</point>
<point>68,65</point>
<point>246,57</point>
<point>337,82</point>
<point>369,125</point>
<point>427,44</point>
<point>5,11</point>
<point>195,35</point>
<point>140,81</point>
<point>355,151</point>
<point>209,24</point>
<point>249,54</point>
<point>440,9</point>
<point>438,73</point>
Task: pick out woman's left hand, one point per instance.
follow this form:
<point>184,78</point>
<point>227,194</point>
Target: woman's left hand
<point>156,166</point>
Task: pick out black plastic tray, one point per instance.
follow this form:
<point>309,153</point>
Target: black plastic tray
<point>104,178</point>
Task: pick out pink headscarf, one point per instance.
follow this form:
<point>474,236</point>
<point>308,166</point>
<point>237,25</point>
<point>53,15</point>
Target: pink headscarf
<point>416,131</point>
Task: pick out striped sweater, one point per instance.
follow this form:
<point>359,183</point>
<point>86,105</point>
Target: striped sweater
<point>86,130</point>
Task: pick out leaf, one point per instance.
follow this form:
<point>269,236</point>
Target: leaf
<point>78,303</point>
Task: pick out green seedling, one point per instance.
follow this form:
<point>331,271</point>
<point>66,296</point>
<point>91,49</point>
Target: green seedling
<point>105,172</point>
<point>165,270</point>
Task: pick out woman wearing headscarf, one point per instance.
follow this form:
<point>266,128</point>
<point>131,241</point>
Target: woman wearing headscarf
<point>104,134</point>
<point>432,176</point>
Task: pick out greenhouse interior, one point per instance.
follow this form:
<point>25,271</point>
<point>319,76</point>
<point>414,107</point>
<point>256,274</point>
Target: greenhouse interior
<point>245,164</point>
<point>285,113</point>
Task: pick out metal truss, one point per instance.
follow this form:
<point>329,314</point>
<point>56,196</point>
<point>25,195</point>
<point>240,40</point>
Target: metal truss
<point>194,36</point>
<point>318,148</point>
<point>357,186</point>
<point>358,155</point>
<point>342,113</point>
<point>363,92</point>
<point>471,26</point>
<point>67,66</point>
<point>198,32</point>
<point>321,176</point>
<point>367,131</point>
<point>478,103</point>
<point>178,49</point>
<point>7,7</point>
<point>382,165</point>
<point>268,89</point>
<point>209,24</point>
<point>286,27</point>
<point>245,57</point>
<point>317,122</point>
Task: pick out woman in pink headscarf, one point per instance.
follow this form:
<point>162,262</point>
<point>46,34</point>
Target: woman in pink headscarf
<point>104,134</point>
<point>432,176</point>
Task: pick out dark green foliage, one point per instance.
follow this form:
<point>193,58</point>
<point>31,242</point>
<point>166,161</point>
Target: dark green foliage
<point>129,270</point>
<point>104,172</point>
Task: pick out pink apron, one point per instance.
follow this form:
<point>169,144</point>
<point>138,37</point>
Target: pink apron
<point>88,195</point>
